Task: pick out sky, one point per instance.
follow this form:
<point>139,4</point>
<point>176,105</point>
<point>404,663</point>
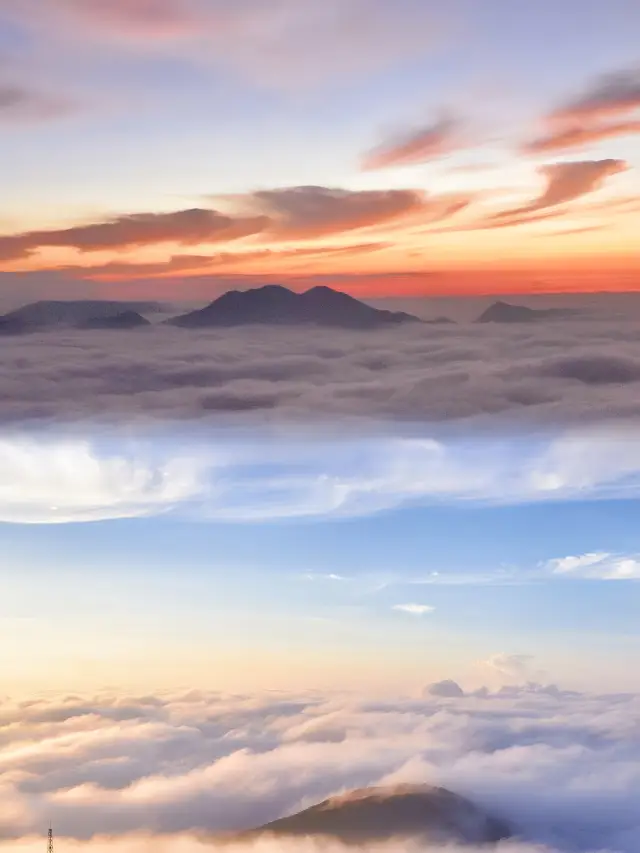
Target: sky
<point>244,569</point>
<point>166,147</point>
<point>190,561</point>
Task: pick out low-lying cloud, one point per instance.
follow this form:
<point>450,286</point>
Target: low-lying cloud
<point>544,374</point>
<point>562,767</point>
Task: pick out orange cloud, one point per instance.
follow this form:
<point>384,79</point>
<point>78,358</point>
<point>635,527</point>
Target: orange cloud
<point>567,182</point>
<point>309,211</point>
<point>613,95</point>
<point>602,112</point>
<point>276,216</point>
<point>190,264</point>
<point>416,146</point>
<point>576,136</point>
<point>188,227</point>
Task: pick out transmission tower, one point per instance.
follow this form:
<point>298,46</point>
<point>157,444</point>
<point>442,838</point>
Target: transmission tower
<point>50,841</point>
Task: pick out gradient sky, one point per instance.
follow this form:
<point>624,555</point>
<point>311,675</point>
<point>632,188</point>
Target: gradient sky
<point>182,562</point>
<point>190,138</point>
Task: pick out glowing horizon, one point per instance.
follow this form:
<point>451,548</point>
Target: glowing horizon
<point>354,167</point>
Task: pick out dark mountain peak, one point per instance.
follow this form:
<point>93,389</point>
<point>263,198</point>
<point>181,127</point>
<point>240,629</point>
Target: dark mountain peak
<point>319,290</point>
<point>274,304</point>
<point>375,814</point>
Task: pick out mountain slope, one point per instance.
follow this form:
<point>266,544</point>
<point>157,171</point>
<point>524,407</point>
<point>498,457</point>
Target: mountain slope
<point>375,814</point>
<point>124,320</point>
<point>51,313</point>
<point>276,305</point>
<point>504,312</point>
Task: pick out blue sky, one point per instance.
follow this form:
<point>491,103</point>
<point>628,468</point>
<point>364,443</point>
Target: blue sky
<point>398,593</point>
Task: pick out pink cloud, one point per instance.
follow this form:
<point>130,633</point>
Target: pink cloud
<point>606,110</point>
<point>416,146</point>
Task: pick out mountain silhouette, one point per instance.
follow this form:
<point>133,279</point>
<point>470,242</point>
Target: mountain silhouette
<point>13,326</point>
<point>124,320</point>
<point>72,313</point>
<point>276,305</point>
<point>504,312</point>
<point>375,814</point>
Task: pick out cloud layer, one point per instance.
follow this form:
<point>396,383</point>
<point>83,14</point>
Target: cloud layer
<point>550,372</point>
<point>562,767</point>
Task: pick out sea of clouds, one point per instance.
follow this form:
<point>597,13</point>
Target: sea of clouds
<point>163,772</point>
<point>568,371</point>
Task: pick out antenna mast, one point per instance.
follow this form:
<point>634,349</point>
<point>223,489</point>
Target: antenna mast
<point>50,841</point>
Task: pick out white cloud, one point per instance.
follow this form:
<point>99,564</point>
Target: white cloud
<point>597,566</point>
<point>512,669</point>
<point>414,609</point>
<point>379,474</point>
<point>51,481</point>
<point>326,577</point>
<point>48,478</point>
<point>159,771</point>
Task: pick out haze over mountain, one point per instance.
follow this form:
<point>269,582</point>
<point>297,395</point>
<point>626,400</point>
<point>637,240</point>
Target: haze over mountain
<point>504,312</point>
<point>84,313</point>
<point>277,305</point>
<point>124,320</point>
<point>378,814</point>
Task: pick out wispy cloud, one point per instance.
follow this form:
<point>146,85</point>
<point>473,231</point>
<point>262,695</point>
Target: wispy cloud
<point>598,565</point>
<point>608,108</point>
<point>513,669</point>
<point>324,577</point>
<point>185,227</point>
<point>20,103</point>
<point>60,479</point>
<point>303,212</point>
<point>564,183</point>
<point>299,213</point>
<point>418,145</point>
<point>414,609</point>
<point>284,44</point>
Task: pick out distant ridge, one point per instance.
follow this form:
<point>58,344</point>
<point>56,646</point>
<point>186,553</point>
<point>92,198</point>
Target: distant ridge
<point>75,313</point>
<point>504,312</point>
<point>124,320</point>
<point>377,814</point>
<point>276,305</point>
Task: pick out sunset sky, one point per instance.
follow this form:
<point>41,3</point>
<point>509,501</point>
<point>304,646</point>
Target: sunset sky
<point>201,140</point>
